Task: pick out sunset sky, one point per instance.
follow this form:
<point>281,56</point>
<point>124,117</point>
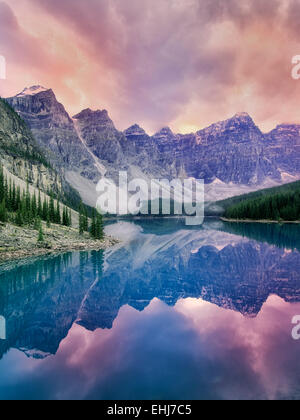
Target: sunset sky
<point>181,63</point>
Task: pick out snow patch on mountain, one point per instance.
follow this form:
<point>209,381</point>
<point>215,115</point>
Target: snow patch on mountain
<point>33,90</point>
<point>287,178</point>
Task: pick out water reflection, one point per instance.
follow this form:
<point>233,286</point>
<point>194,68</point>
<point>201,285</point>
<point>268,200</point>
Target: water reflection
<point>40,300</point>
<point>282,236</point>
<point>2,328</point>
<point>171,312</point>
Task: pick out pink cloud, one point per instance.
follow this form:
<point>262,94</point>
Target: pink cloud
<point>178,63</point>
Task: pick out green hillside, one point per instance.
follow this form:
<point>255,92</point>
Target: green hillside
<point>294,186</point>
<point>31,190</point>
<point>277,204</point>
<point>21,156</point>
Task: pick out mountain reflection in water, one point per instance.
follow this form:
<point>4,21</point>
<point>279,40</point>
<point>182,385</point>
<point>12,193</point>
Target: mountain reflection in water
<point>205,305</point>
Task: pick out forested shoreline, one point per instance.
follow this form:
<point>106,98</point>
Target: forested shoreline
<point>281,206</point>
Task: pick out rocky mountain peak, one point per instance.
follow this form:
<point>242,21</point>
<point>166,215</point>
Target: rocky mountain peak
<point>241,119</point>
<point>242,116</point>
<point>97,119</point>
<point>90,114</point>
<point>288,127</point>
<point>54,130</point>
<point>238,129</point>
<point>232,151</point>
<point>85,113</point>
<point>284,134</point>
<point>38,100</point>
<point>164,132</point>
<point>134,130</point>
<point>33,90</point>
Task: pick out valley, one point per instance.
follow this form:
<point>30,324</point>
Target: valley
<point>55,154</point>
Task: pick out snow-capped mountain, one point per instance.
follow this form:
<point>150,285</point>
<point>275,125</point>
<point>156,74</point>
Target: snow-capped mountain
<point>33,90</point>
<point>232,156</point>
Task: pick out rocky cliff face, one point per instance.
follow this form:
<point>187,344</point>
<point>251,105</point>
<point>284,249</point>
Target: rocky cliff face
<point>232,153</point>
<point>21,155</point>
<point>142,151</point>
<point>100,135</point>
<point>283,146</point>
<point>25,159</point>
<point>54,130</point>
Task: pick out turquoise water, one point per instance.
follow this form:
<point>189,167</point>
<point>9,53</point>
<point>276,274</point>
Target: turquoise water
<point>170,313</point>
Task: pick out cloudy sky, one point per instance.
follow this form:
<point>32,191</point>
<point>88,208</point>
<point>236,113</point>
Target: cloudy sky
<point>182,63</point>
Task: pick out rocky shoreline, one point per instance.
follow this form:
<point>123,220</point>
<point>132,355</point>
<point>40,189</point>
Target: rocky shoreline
<point>19,243</point>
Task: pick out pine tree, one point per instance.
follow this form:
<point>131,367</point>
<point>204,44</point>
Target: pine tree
<point>52,213</point>
<point>2,185</point>
<point>14,198</point>
<point>41,233</point>
<point>85,220</point>
<point>18,198</point>
<point>27,199</point>
<point>48,221</point>
<point>81,219</point>
<point>66,217</point>
<point>8,200</point>
<point>93,225</point>
<point>45,215</point>
<point>57,213</point>
<point>39,206</point>
<point>70,218</point>
<point>23,209</point>
<point>5,195</point>
<point>19,221</point>
<point>65,220</point>
<point>34,209</point>
<point>63,217</point>
<point>37,223</point>
<point>99,227</point>
<point>3,212</point>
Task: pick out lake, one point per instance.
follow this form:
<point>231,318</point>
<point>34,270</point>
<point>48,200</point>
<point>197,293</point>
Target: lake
<point>172,312</point>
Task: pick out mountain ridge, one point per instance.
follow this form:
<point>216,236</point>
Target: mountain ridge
<point>37,89</point>
<point>234,151</point>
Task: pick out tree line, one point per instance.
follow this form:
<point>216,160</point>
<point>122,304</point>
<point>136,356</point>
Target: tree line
<point>95,228</point>
<point>284,206</point>
<point>25,209</point>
